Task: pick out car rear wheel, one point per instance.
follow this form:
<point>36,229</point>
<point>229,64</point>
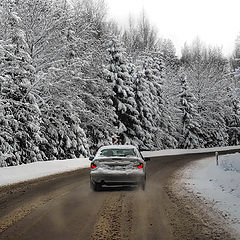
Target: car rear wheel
<point>142,185</point>
<point>95,186</point>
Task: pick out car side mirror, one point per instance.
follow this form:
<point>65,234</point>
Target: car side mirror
<point>91,158</point>
<point>146,159</point>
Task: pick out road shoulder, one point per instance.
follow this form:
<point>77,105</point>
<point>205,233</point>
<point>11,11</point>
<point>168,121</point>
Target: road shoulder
<point>191,217</point>
<point>20,199</point>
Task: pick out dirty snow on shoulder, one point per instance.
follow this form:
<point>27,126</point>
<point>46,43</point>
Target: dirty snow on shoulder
<point>217,184</point>
<point>24,172</point>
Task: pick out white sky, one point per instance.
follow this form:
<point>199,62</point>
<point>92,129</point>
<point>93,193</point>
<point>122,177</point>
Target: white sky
<point>216,22</point>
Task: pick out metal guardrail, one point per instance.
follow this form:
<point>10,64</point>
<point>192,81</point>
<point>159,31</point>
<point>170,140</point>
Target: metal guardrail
<point>177,152</point>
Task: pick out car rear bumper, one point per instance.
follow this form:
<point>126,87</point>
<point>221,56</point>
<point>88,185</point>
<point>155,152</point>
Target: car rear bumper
<point>119,177</point>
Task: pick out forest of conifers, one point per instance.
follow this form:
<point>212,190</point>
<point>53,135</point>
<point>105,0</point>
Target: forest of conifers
<point>70,80</point>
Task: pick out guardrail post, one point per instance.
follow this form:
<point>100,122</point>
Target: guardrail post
<point>216,154</point>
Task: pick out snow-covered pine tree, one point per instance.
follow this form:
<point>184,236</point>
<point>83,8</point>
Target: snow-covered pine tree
<point>119,73</point>
<point>164,131</point>
<point>63,136</point>
<point>232,113</point>
<point>232,103</point>
<point>191,132</point>
<point>171,84</point>
<point>172,65</point>
<point>98,115</point>
<point>213,125</point>
<point>19,117</point>
<point>77,75</point>
<point>143,98</point>
<point>233,124</point>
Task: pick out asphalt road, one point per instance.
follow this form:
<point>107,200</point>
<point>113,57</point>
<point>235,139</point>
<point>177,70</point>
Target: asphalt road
<point>64,207</point>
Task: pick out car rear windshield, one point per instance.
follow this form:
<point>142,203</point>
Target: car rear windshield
<point>118,152</point>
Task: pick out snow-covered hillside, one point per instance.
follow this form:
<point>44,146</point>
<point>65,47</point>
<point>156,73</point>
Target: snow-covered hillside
<point>219,185</point>
<point>24,172</point>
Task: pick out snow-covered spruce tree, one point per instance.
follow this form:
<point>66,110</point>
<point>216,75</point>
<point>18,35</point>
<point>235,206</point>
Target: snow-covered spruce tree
<point>233,124</point>
<point>232,114</point>
<point>77,75</point>
<point>61,125</point>
<point>171,84</point>
<point>164,130</point>
<point>63,136</point>
<point>19,116</point>
<point>98,115</point>
<point>232,103</point>
<point>213,125</point>
<point>143,98</point>
<point>172,65</point>
<point>191,132</point>
<point>119,74</point>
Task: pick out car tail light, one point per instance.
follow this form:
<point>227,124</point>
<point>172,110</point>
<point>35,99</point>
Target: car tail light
<point>93,165</point>
<point>140,166</point>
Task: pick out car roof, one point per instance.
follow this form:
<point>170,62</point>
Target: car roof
<point>117,147</point>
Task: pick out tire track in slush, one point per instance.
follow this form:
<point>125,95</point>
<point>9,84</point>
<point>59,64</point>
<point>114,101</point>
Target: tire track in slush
<point>116,210</point>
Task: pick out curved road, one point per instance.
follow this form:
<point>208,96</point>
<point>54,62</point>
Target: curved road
<point>64,207</point>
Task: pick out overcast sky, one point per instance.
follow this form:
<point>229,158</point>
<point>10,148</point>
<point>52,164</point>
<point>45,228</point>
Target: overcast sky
<point>216,22</point>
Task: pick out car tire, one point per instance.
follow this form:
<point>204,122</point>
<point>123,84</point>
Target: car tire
<point>98,187</point>
<point>143,186</point>
<point>95,186</point>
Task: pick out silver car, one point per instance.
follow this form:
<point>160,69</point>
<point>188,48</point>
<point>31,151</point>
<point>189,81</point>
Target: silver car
<point>117,165</point>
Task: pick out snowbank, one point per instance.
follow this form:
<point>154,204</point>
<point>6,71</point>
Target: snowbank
<point>9,175</point>
<point>219,185</point>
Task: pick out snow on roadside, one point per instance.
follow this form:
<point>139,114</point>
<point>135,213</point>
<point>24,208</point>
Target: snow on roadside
<point>24,172</point>
<point>218,185</point>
